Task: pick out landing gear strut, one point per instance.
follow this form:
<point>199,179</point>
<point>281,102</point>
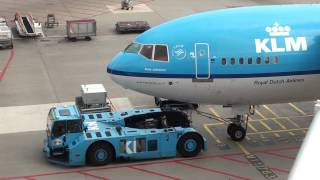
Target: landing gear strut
<point>237,126</point>
<point>237,129</point>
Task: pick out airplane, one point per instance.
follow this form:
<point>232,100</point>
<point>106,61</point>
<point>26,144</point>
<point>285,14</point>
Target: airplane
<point>304,166</point>
<point>238,58</point>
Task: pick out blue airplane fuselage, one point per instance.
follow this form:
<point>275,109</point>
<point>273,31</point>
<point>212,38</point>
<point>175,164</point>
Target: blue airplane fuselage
<point>250,55</point>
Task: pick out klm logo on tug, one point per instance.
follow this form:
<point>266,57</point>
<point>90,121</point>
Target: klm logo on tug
<point>280,35</point>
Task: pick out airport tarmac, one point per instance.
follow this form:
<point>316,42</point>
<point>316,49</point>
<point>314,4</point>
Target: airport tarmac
<point>40,73</point>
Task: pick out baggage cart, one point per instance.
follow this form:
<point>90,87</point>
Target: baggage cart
<point>81,29</point>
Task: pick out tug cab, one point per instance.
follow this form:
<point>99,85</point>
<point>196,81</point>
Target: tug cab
<point>63,125</point>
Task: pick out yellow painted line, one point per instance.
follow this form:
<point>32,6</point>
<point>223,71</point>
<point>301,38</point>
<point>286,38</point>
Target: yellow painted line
<point>297,109</point>
<point>264,124</point>
<point>284,130</point>
<point>292,122</point>
<point>211,133</point>
<point>209,130</point>
<point>253,128</point>
<point>276,121</point>
<point>214,111</point>
<point>263,117</point>
<point>258,120</point>
<point>279,124</point>
<point>276,115</point>
<point>243,149</point>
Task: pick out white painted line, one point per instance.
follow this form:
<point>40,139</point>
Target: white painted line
<point>15,119</point>
<point>121,104</point>
<point>138,8</point>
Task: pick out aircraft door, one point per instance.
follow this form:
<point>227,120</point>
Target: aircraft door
<point>202,60</point>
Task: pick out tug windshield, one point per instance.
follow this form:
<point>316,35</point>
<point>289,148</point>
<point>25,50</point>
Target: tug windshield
<point>70,126</point>
<point>132,48</point>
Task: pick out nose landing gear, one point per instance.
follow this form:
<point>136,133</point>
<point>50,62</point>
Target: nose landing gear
<point>236,130</point>
<point>237,126</point>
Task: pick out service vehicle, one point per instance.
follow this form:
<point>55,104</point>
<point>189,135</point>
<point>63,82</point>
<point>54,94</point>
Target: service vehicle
<point>27,25</point>
<point>132,26</point>
<point>5,34</point>
<point>127,4</point>
<point>81,29</point>
<point>99,138</point>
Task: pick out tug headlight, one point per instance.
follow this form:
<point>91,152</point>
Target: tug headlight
<point>57,142</point>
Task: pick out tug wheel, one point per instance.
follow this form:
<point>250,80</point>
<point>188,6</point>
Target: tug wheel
<point>189,145</point>
<point>100,154</point>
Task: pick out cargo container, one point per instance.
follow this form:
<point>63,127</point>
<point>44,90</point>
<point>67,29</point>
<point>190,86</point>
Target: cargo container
<point>81,29</point>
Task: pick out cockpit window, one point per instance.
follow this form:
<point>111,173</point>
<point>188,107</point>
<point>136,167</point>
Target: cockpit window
<point>161,53</point>
<point>147,51</point>
<point>132,48</point>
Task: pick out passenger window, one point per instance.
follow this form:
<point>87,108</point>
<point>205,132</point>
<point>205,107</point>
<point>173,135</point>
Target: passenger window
<point>161,53</point>
<point>241,60</point>
<point>147,51</point>
<point>275,60</point>
<point>232,61</point>
<point>258,60</point>
<point>152,145</point>
<point>141,144</point>
<point>267,60</point>
<point>250,60</point>
<point>223,61</point>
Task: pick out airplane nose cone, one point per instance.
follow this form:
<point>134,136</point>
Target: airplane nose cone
<point>113,67</point>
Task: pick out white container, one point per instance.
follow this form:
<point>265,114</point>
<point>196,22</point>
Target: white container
<point>93,94</point>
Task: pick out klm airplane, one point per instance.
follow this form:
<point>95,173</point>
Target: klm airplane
<point>237,57</point>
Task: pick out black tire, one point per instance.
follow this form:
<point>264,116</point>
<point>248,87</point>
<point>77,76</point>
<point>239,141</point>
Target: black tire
<point>100,154</point>
<point>88,38</point>
<point>230,128</point>
<point>73,39</point>
<point>189,145</point>
<point>195,106</point>
<point>238,133</point>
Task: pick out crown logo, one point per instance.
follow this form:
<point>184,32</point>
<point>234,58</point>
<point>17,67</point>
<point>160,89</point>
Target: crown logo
<point>277,30</point>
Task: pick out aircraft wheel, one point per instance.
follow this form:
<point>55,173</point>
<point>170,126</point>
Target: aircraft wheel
<point>100,154</point>
<point>237,133</point>
<point>189,145</point>
<point>230,127</point>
